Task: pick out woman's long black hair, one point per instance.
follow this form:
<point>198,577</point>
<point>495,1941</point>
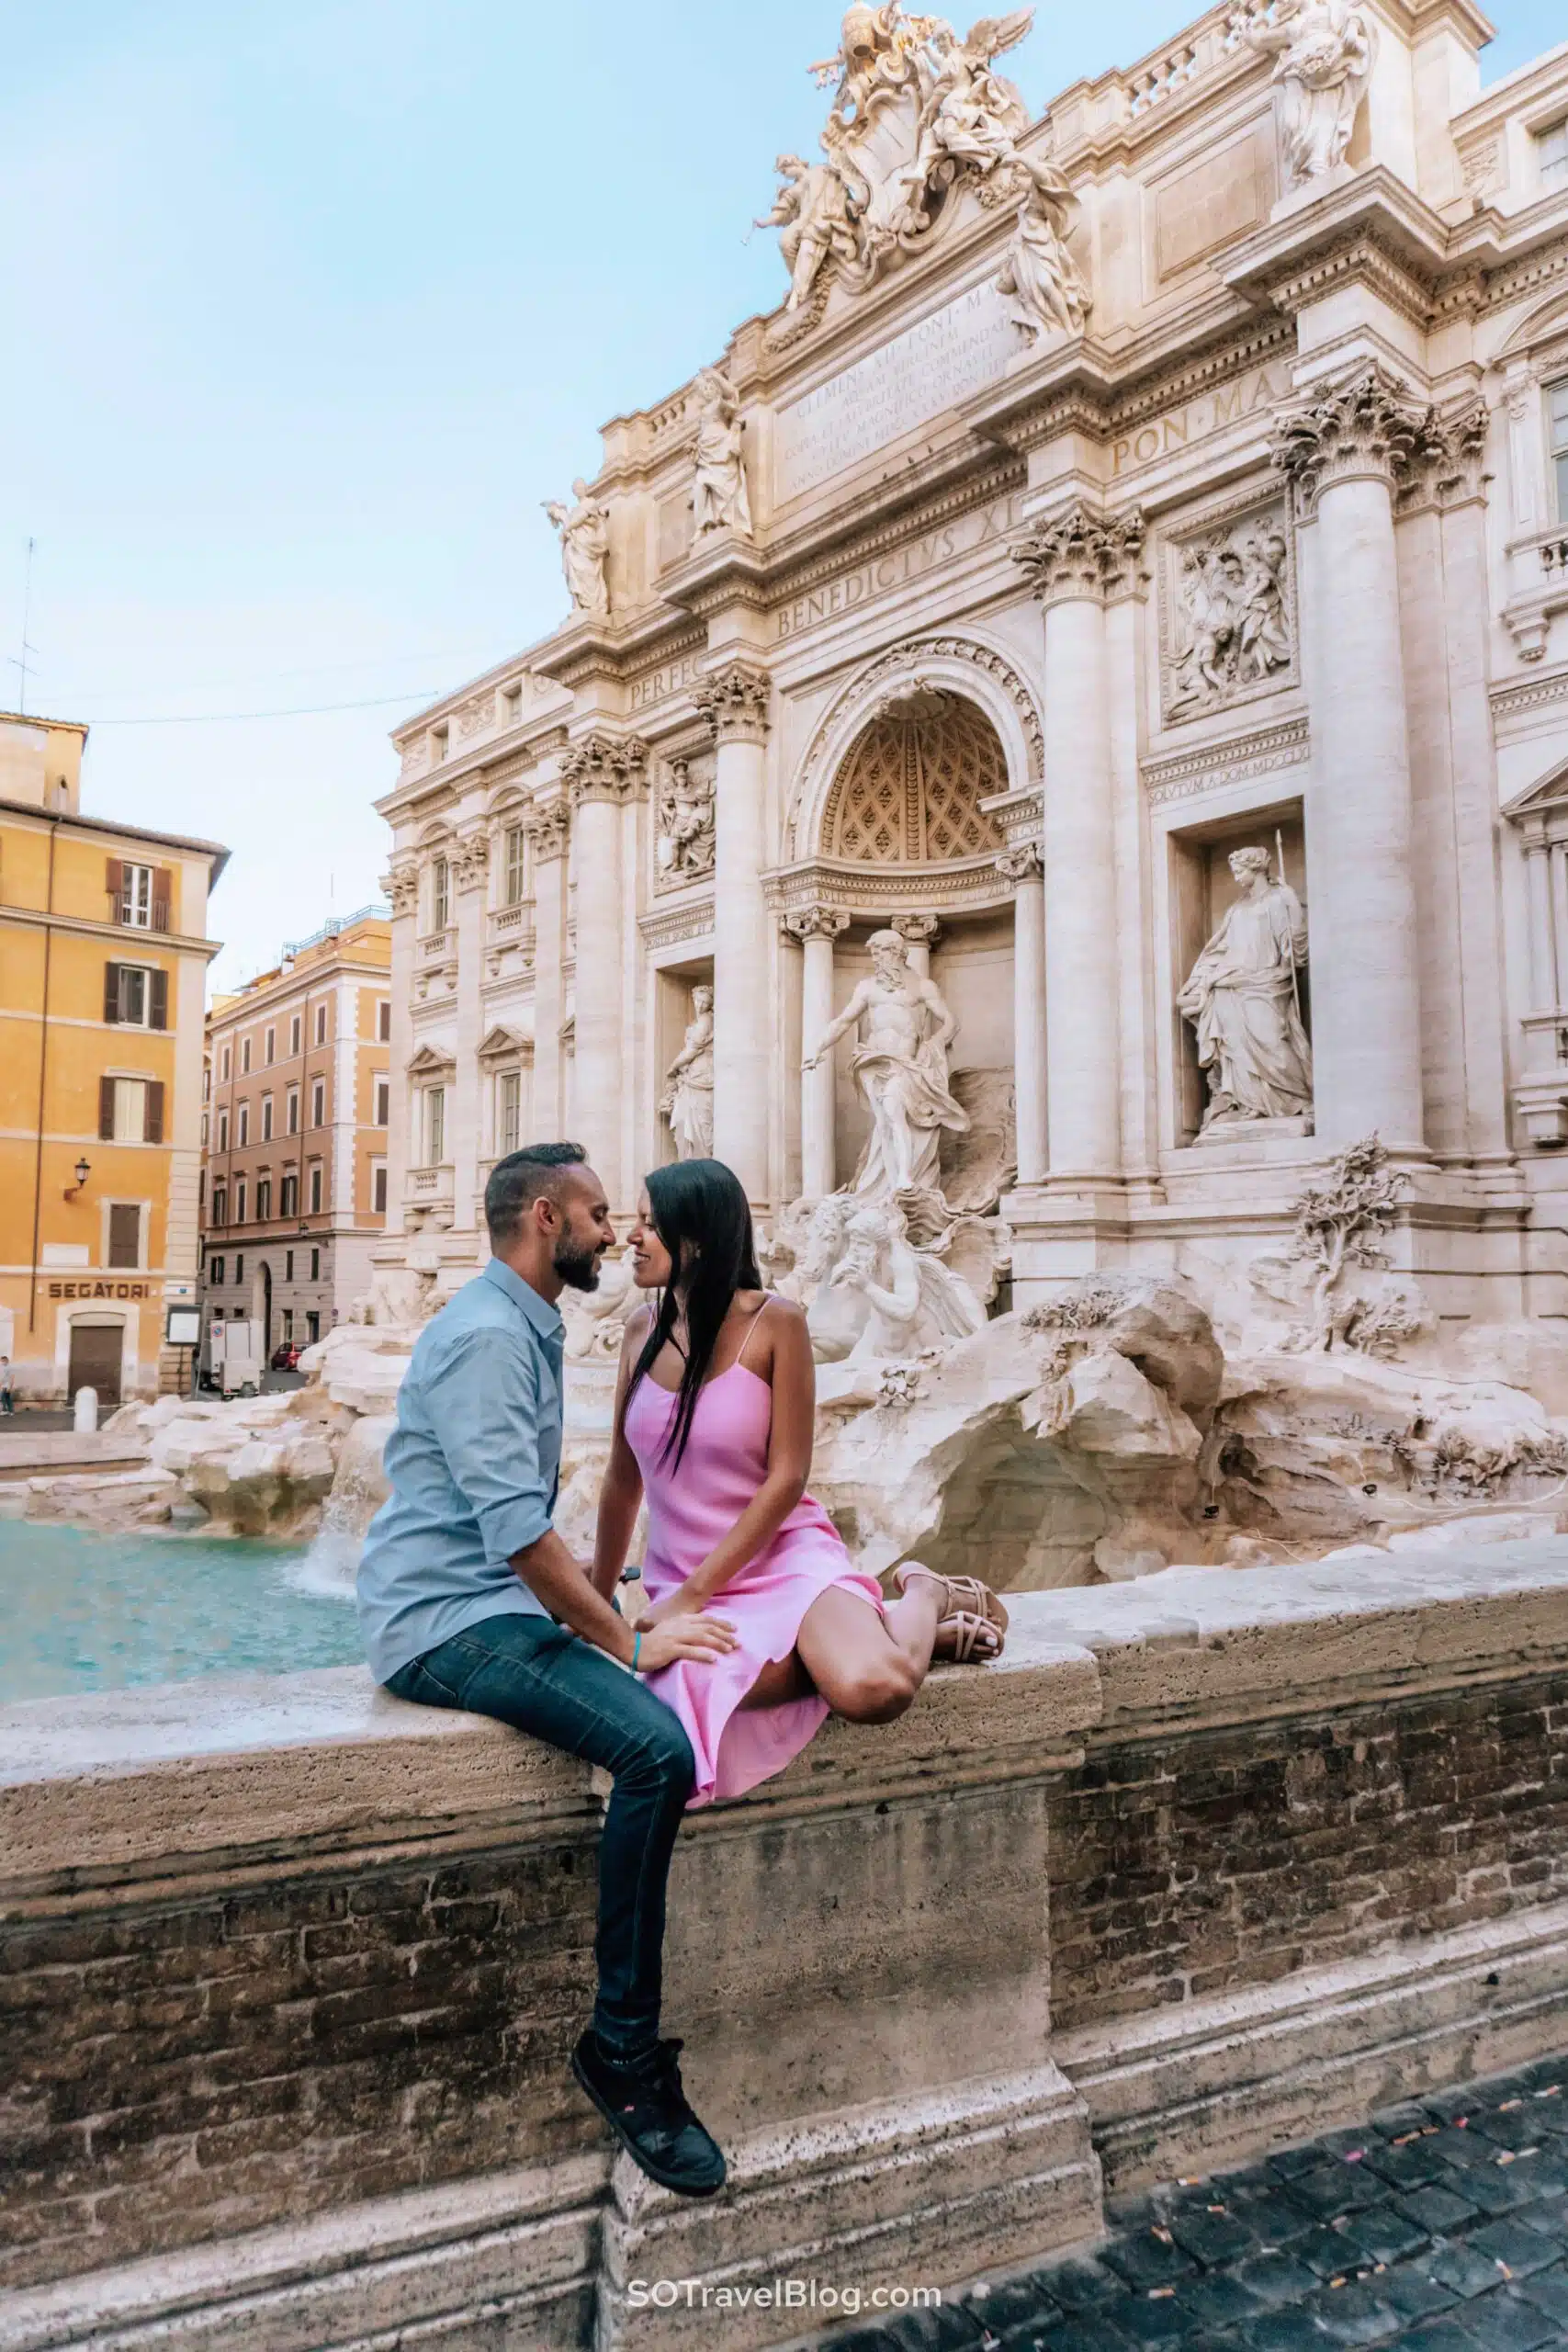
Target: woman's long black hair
<point>702,1216</point>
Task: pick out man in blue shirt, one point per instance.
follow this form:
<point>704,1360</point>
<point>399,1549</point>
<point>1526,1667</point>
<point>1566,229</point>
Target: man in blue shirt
<point>468,1599</point>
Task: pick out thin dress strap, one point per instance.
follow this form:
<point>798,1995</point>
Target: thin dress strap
<point>751,1334</point>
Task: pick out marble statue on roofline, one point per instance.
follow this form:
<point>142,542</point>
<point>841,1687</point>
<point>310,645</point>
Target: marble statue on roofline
<point>1324,52</point>
<point>584,528</point>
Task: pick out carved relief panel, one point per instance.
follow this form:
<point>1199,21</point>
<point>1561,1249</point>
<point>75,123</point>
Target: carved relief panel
<point>683,845</point>
<point>1228,628</point>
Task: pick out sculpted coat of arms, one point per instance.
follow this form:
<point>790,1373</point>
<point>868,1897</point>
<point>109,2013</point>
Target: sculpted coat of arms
<point>916,110</point>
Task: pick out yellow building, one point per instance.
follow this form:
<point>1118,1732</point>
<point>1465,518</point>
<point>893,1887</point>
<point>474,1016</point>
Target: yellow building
<point>103,976</point>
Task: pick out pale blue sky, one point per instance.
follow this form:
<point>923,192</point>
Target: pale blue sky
<point>309,304</point>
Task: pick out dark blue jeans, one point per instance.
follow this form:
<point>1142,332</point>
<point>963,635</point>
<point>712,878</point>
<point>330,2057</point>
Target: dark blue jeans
<point>535,1675</point>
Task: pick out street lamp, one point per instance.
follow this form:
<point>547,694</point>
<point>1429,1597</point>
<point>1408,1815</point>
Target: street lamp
<point>83,1170</point>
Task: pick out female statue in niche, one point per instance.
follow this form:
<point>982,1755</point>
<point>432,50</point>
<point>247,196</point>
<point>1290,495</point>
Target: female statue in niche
<point>1243,996</point>
<point>688,1098</point>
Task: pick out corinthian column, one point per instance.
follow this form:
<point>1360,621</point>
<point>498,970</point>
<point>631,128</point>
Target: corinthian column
<point>549,835</point>
<point>1076,560</point>
<point>601,776</point>
<point>1025,868</point>
<point>735,703</point>
<point>816,928</point>
<point>1344,449</point>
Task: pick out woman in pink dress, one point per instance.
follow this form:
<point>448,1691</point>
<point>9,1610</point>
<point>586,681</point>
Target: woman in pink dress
<point>714,1418</point>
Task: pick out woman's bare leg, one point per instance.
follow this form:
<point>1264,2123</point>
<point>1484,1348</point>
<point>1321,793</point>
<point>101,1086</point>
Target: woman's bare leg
<point>869,1666</point>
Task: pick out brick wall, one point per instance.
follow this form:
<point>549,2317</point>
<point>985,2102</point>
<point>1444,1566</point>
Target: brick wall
<point>174,2073</point>
<point>1181,1868</point>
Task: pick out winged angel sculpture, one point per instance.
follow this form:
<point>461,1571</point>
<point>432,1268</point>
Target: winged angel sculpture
<point>915,109</point>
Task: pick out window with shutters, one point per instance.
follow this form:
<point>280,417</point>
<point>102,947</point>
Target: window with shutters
<point>1557,436</point>
<point>288,1197</point>
<point>219,1211</point>
<point>440,894</point>
<point>267,1118</point>
<point>315,1265</point>
<point>264,1199</point>
<point>316,1185</point>
<point>240,1202</point>
<point>292,1120</point>
<point>215,1272</point>
<point>125,1234</point>
<point>130,1109</point>
<point>312,1326</point>
<point>245,1057</point>
<point>243,1130</point>
<point>1551,155</point>
<point>383,1020</point>
<point>288,1265</point>
<point>136,996</point>
<point>319,1103</point>
<point>224,1130</point>
<point>511,867</point>
<point>508,1125</point>
<point>269,1045</point>
<point>383,1101</point>
<point>239,1271</point>
<point>226,1067</point>
<point>320,1024</point>
<point>435,1125</point>
<point>139,894</point>
<point>295,1034</point>
<point>379,1189</point>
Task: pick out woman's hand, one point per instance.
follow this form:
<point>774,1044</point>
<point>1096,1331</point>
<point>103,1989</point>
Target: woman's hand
<point>682,1603</point>
<point>703,1640</point>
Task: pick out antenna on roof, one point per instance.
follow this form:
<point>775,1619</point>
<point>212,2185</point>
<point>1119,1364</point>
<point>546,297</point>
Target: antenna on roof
<point>27,617</point>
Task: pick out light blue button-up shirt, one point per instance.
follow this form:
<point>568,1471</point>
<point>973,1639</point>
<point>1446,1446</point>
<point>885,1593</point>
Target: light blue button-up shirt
<point>474,1465</point>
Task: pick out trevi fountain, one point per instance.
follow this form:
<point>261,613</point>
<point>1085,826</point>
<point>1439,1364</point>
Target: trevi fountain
<point>1054,766</point>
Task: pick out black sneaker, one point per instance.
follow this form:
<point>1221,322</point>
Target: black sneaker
<point>642,2102</point>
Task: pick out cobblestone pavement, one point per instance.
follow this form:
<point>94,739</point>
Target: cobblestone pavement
<point>1441,2226</point>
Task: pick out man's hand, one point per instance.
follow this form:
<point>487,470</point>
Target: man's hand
<point>703,1640</point>
<point>681,1604</point>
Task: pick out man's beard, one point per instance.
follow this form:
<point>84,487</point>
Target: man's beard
<point>577,1263</point>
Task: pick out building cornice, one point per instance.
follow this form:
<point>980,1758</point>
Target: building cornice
<point>136,947</point>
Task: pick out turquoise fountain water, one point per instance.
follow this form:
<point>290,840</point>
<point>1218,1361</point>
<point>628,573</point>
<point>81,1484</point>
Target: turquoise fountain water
<point>98,1612</point>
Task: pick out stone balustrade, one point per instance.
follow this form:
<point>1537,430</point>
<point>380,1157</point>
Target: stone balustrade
<point>1212,1861</point>
<point>1538,588</point>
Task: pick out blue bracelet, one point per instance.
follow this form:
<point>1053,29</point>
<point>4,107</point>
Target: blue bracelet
<point>636,1649</point>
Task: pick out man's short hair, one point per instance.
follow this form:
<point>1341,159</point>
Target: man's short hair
<point>523,1177</point>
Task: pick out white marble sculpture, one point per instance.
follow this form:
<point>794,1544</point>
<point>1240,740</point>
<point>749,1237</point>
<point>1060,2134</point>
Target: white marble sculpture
<point>880,1300</point>
<point>817,212</point>
<point>1233,622</point>
<point>1043,287</point>
<point>688,1098</point>
<point>915,111</point>
<point>686,844</point>
<point>900,1065</point>
<point>720,498</point>
<point>584,528</point>
<point>1322,52</point>
<point>1243,996</point>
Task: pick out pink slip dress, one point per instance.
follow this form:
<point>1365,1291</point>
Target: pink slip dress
<point>690,1509</point>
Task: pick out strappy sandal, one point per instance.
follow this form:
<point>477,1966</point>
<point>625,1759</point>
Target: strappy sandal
<point>973,1621</point>
<point>961,1596</point>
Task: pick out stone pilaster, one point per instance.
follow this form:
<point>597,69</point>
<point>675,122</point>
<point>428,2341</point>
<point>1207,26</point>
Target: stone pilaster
<point>602,774</point>
<point>549,833</point>
<point>401,890</point>
<point>1077,561</point>
<point>734,700</point>
<point>1025,869</point>
<point>816,928</point>
<point>1346,449</point>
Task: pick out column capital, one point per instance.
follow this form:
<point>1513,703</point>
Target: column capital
<point>734,700</point>
<point>605,767</point>
<point>401,887</point>
<point>916,931</point>
<point>1372,424</point>
<point>1080,554</point>
<point>1024,863</point>
<point>470,861</point>
<point>548,830</point>
<point>815,922</point>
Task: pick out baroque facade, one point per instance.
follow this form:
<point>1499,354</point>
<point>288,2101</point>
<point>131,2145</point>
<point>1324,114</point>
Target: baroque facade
<point>1131,569</point>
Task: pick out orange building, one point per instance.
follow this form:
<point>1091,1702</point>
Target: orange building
<point>296,1126</point>
<point>103,976</point>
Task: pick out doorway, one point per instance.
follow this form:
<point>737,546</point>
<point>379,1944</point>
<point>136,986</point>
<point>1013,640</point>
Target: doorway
<point>95,1357</point>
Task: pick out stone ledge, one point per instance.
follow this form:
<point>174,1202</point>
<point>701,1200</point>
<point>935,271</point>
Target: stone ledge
<point>228,1773</point>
